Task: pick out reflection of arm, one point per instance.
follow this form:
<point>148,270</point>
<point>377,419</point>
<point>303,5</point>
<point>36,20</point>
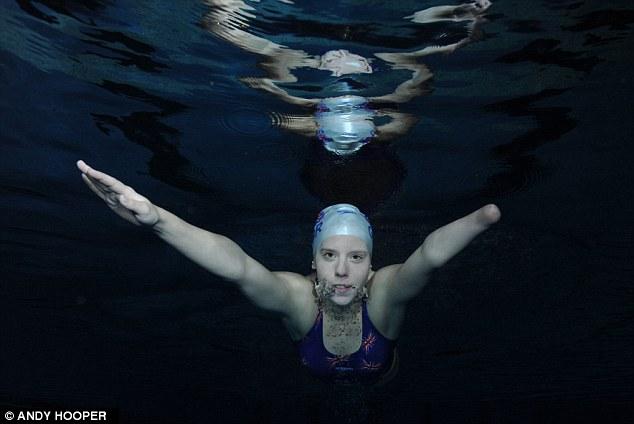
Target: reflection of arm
<point>399,124</point>
<point>229,20</point>
<point>459,13</point>
<point>267,84</point>
<point>420,73</point>
<point>413,87</point>
<point>471,12</point>
<point>409,89</point>
<point>302,125</point>
<point>408,60</point>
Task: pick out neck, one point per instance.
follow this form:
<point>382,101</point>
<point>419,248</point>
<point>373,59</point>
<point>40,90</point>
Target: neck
<point>331,308</point>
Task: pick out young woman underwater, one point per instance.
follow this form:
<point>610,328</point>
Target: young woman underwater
<point>344,317</point>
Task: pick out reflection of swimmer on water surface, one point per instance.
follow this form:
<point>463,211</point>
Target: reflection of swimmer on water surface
<point>229,20</point>
<point>344,317</point>
<point>345,122</point>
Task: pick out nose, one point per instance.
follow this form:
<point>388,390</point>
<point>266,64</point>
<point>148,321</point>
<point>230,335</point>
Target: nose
<point>342,268</point>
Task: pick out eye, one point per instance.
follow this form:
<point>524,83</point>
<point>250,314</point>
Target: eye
<point>328,255</point>
<point>358,257</point>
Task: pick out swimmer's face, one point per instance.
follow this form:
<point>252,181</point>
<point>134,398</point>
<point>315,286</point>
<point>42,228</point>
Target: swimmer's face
<point>342,264</point>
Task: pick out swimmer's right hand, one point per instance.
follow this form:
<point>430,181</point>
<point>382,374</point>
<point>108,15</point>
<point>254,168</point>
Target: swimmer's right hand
<point>122,199</point>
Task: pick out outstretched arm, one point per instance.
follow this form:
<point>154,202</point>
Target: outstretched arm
<point>409,278</point>
<point>214,252</point>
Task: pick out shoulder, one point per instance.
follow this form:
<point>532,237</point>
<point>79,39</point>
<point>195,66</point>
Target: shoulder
<point>301,290</point>
<point>302,309</point>
<point>382,283</point>
<point>383,278</point>
<point>298,288</point>
<point>296,283</point>
<point>386,315</point>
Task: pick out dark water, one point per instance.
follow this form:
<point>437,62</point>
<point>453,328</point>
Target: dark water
<point>533,322</point>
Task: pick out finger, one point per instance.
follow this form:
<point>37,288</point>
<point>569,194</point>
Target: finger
<point>93,187</point>
<point>110,197</point>
<point>102,189</point>
<point>105,179</point>
<point>81,165</point>
<point>102,178</point>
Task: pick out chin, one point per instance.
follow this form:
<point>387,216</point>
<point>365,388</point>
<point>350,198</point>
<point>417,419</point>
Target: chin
<point>343,300</point>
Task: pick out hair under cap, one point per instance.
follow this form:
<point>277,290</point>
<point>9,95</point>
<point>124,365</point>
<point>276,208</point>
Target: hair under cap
<point>341,220</point>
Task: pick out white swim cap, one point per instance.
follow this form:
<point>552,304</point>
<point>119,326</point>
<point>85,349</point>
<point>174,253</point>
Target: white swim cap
<point>341,220</point>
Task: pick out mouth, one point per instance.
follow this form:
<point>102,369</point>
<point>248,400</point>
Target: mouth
<point>342,288</point>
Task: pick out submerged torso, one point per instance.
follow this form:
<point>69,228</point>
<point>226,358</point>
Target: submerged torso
<point>367,365</point>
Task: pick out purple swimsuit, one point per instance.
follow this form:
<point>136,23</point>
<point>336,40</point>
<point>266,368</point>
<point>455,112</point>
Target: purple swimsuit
<point>367,365</point>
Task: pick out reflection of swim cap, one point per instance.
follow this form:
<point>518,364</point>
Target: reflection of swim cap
<point>342,220</point>
<point>344,123</point>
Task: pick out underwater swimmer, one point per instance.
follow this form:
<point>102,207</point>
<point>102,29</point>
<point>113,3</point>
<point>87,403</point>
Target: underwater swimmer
<point>344,317</point>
